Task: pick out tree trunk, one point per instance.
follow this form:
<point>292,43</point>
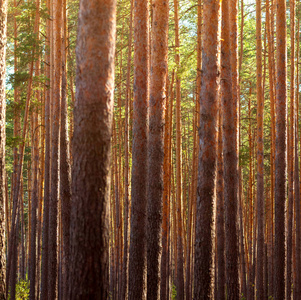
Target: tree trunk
<point>220,221</point>
<point>204,235</point>
<point>45,236</point>
<point>3,12</point>
<point>230,160</point>
<point>280,160</point>
<point>137,259</point>
<point>158,76</point>
<point>55,148</point>
<point>260,163</point>
<point>290,158</point>
<point>93,112</point>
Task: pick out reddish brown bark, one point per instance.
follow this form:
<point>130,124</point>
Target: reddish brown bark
<point>204,235</point>
<point>65,168</point>
<point>45,237</point>
<point>89,270</point>
<point>220,220</point>
<point>159,48</point>
<point>230,160</point>
<point>280,158</point>
<point>55,146</point>
<point>290,158</point>
<point>137,259</point>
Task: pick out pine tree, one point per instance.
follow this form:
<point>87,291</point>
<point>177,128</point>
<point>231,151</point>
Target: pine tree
<point>93,112</point>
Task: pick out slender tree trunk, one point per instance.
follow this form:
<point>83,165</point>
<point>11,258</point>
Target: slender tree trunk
<point>291,152</point>
<point>297,213</point>
<point>230,160</point>
<point>34,206</point>
<point>280,159</point>
<point>65,168</point>
<point>3,15</point>
<point>166,228</point>
<point>55,148</point>
<point>89,268</point>
<point>45,237</point>
<point>220,225</point>
<point>137,259</point>
<point>260,165</point>
<point>157,99</point>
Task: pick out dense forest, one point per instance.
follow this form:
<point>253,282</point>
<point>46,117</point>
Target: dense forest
<point>149,149</point>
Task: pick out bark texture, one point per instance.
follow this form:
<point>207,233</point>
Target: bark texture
<point>158,72</point>
<point>137,259</point>
<point>280,157</point>
<point>93,112</point>
<point>230,159</point>
<point>204,231</point>
<point>260,171</point>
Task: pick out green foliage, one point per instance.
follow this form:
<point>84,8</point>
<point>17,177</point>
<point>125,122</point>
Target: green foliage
<point>173,292</point>
<point>22,290</point>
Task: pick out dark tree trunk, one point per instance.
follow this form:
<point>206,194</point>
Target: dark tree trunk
<point>55,146</point>
<point>91,147</point>
<point>220,226</point>
<point>45,236</point>
<point>280,159</point>
<point>65,168</point>
<point>204,233</point>
<point>230,160</point>
<point>137,258</point>
<point>155,148</point>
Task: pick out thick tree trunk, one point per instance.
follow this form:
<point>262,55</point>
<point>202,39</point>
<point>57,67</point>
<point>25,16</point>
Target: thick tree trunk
<point>137,259</point>
<point>93,112</point>
<point>159,49</point>
<point>204,235</point>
